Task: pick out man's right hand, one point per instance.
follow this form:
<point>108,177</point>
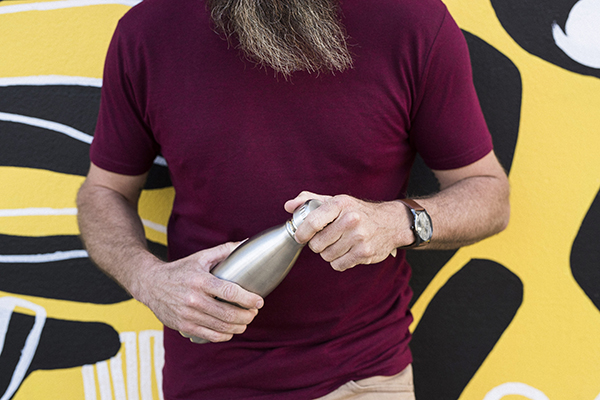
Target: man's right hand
<point>183,295</point>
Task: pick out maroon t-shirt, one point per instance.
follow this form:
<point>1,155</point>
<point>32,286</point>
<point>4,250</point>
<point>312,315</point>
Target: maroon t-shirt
<point>240,141</point>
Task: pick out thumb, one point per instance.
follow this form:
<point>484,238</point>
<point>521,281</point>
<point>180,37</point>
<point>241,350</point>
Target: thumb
<point>291,205</point>
<point>210,257</point>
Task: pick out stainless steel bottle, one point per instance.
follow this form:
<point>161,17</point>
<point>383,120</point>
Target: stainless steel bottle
<point>261,262</point>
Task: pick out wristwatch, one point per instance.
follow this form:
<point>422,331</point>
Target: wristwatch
<point>421,226</point>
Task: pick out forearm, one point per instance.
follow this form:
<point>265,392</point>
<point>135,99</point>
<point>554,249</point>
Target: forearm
<point>468,211</point>
<point>113,235</point>
<point>182,294</point>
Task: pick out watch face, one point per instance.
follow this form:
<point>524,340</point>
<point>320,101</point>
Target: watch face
<point>423,226</point>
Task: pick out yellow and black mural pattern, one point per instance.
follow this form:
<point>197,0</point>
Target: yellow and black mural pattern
<point>514,317</point>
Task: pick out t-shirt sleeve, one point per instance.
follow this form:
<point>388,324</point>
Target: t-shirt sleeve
<point>123,142</point>
<point>448,129</point>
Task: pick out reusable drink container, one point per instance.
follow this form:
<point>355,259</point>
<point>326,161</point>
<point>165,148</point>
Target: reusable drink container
<point>263,261</point>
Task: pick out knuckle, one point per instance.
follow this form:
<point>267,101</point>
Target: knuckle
<point>364,252</point>
<point>186,327</point>
<point>229,292</point>
<point>185,315</point>
<point>315,246</point>
<point>355,215</point>
<point>190,301</point>
<point>352,218</point>
<point>227,316</point>
<point>312,223</point>
<point>223,327</point>
<point>245,319</point>
<point>207,282</point>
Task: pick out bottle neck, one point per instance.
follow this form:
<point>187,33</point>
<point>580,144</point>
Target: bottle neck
<point>291,228</point>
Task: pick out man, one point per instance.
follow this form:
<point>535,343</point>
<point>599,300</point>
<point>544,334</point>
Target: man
<point>252,103</point>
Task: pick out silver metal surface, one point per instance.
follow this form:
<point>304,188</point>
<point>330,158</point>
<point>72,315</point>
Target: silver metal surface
<point>263,261</point>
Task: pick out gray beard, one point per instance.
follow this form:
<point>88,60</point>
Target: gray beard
<point>286,35</point>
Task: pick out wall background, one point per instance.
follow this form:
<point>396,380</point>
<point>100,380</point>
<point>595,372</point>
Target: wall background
<point>514,317</point>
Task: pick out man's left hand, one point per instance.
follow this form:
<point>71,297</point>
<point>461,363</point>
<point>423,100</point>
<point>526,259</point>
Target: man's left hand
<point>347,231</point>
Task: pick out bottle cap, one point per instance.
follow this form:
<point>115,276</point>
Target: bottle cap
<point>302,212</point>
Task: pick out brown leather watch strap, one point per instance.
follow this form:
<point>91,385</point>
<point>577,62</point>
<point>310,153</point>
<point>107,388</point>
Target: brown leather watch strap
<point>412,204</point>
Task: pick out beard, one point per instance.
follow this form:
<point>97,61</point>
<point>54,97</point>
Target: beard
<point>286,35</point>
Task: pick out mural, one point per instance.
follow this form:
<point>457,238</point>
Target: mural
<point>56,309</point>
<point>513,317</point>
<point>563,32</point>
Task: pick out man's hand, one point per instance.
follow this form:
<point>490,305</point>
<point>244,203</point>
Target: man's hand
<point>347,231</point>
<point>472,204</point>
<point>182,294</point>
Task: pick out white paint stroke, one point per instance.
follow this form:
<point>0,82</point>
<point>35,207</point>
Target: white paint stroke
<point>60,128</point>
<point>136,358</point>
<point>129,341</point>
<point>160,160</point>
<point>118,380</point>
<point>8,304</point>
<point>55,5</point>
<point>581,39</point>
<point>41,211</point>
<point>154,226</point>
<point>5,316</point>
<point>51,125</point>
<point>515,388</point>
<point>42,258</point>
<point>89,382</point>
<point>159,362</point>
<point>104,380</point>
<point>47,80</point>
<point>147,352</point>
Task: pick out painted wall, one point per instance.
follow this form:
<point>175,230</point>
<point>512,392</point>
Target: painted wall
<point>514,317</point>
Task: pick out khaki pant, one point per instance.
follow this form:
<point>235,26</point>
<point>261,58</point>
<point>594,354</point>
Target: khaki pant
<point>397,387</point>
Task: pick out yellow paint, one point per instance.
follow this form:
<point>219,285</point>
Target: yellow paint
<point>53,384</point>
<point>28,188</point>
<point>551,344</point>
<point>155,205</point>
<point>70,42</point>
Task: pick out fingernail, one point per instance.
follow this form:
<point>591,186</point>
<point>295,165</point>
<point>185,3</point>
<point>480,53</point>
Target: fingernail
<point>260,303</point>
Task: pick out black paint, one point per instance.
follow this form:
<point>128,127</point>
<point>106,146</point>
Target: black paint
<point>499,89</point>
<point>72,105</point>
<point>75,106</point>
<point>14,341</point>
<point>32,147</point>
<point>585,254</point>
<point>460,327</point>
<point>425,266</point>
<point>529,23</point>
<point>498,84</point>
<point>63,344</point>
<point>73,279</point>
